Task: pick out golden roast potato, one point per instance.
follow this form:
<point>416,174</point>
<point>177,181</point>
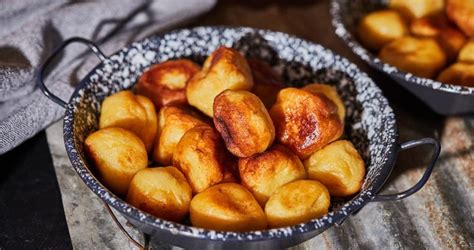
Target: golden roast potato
<point>420,56</point>
<point>462,13</point>
<point>439,28</point>
<point>263,173</point>
<point>134,113</point>
<point>466,54</point>
<point>165,83</point>
<point>174,121</point>
<point>227,207</point>
<point>458,74</point>
<point>304,121</point>
<point>162,192</point>
<point>381,27</point>
<point>417,8</point>
<point>331,93</point>
<point>266,81</point>
<point>224,69</point>
<point>117,154</point>
<point>202,157</point>
<point>297,202</point>
<point>338,166</point>
<point>243,122</point>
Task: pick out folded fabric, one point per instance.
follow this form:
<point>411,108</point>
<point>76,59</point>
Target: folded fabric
<point>31,29</point>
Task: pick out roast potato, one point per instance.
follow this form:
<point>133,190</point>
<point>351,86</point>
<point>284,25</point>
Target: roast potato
<point>462,13</point>
<point>117,154</point>
<point>162,192</point>
<point>202,157</point>
<point>224,69</point>
<point>243,122</point>
<point>420,56</point>
<point>466,54</point>
<point>417,8</point>
<point>263,173</point>
<point>266,81</point>
<point>439,28</point>
<point>125,110</point>
<point>458,74</point>
<point>227,207</point>
<point>304,121</point>
<point>381,27</point>
<point>165,83</point>
<point>331,93</point>
<point>297,202</point>
<point>338,166</point>
<point>174,121</point>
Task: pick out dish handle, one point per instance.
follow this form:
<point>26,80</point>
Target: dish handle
<point>95,49</point>
<point>424,178</point>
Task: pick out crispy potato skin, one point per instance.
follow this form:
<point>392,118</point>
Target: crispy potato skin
<point>331,93</point>
<point>304,121</point>
<point>173,122</point>
<point>165,83</point>
<point>267,82</point>
<point>466,54</point>
<point>224,69</point>
<point>227,207</point>
<point>243,122</point>
<point>125,110</point>
<point>263,173</point>
<point>339,167</point>
<point>381,27</point>
<point>420,56</point>
<point>439,28</point>
<point>462,13</point>
<point>161,191</point>
<point>417,8</point>
<point>458,74</point>
<point>117,154</point>
<point>297,202</point>
<point>202,157</point>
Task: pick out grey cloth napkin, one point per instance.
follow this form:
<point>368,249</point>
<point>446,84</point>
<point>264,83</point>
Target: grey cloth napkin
<point>31,29</point>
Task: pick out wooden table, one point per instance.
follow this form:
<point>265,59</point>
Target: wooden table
<point>438,216</point>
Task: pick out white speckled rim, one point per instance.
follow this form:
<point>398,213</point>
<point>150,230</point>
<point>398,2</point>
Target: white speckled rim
<point>374,126</point>
<point>358,49</point>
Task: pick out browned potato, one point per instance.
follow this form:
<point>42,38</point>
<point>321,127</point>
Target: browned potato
<point>161,191</point>
<point>297,202</point>
<point>165,83</point>
<point>331,93</point>
<point>117,154</point>
<point>243,122</point>
<point>224,69</point>
<point>304,121</point>
<point>459,74</point>
<point>267,82</point>
<point>417,8</point>
<point>202,157</point>
<point>381,27</point>
<point>174,121</point>
<point>134,113</point>
<point>462,13</point>
<point>420,56</point>
<point>263,173</point>
<point>227,207</point>
<point>338,166</point>
<point>466,54</point>
<point>439,28</point>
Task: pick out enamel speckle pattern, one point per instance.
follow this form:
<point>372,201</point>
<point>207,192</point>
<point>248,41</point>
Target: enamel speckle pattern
<point>370,122</point>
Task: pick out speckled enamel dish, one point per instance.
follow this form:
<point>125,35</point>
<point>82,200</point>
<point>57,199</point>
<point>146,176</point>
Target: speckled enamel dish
<point>370,123</point>
<point>445,99</point>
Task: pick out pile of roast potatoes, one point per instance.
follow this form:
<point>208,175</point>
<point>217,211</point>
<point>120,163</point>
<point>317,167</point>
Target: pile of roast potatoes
<point>428,38</point>
<point>226,146</point>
